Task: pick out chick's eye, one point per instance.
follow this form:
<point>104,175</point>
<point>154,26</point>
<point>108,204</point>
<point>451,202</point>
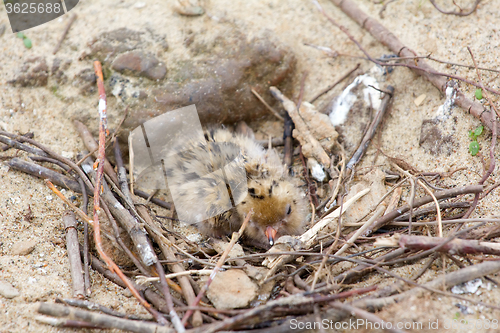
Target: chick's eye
<point>288,209</point>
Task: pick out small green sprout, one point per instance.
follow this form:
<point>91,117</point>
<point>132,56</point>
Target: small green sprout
<point>479,93</point>
<point>26,40</point>
<point>474,145</point>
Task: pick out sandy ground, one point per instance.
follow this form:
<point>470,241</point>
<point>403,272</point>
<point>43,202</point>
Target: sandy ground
<point>43,274</point>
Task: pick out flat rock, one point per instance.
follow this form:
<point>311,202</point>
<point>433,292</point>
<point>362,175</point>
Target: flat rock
<point>23,248</point>
<point>138,63</point>
<point>232,289</point>
<point>7,290</point>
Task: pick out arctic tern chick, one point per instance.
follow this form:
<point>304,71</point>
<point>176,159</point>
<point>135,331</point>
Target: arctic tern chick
<point>207,176</point>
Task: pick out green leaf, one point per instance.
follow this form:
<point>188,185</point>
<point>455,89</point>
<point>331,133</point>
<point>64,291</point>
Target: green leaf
<point>479,93</point>
<point>474,148</point>
<point>471,135</point>
<point>21,35</point>
<point>478,131</point>
<point>27,43</point>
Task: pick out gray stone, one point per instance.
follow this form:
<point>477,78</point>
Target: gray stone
<point>138,63</point>
<point>7,290</point>
<point>232,289</point>
<point>23,248</point>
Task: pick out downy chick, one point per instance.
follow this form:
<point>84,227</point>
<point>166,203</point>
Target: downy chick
<point>219,179</point>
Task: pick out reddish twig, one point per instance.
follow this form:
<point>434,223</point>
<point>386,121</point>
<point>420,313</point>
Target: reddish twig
<point>97,189</point>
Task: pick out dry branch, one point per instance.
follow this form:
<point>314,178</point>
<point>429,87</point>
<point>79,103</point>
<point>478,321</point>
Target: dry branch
<point>456,246</point>
<point>102,320</point>
<point>388,39</point>
<point>44,173</point>
<point>75,264</point>
<point>422,201</point>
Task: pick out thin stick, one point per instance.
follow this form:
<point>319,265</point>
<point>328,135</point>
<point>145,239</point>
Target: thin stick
<point>44,173</point>
<point>330,87</point>
<point>77,210</point>
<point>145,279</point>
<point>102,320</point>
<point>456,246</point>
<point>75,263</point>
<point>234,239</point>
<point>65,32</point>
<point>269,107</point>
<point>100,169</point>
<point>387,38</point>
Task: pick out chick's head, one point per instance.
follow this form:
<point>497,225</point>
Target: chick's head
<point>279,209</point>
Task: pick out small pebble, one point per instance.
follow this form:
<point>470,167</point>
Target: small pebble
<point>23,248</point>
<point>232,289</point>
<point>7,290</point>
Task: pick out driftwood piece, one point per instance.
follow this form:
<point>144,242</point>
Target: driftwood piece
<point>387,38</point>
<point>75,264</point>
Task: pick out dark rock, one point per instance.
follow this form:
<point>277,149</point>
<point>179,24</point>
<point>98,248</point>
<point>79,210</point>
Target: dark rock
<point>86,80</point>
<point>110,44</point>
<point>138,63</point>
<point>433,140</point>
<point>219,81</point>
<point>33,73</point>
<point>58,70</point>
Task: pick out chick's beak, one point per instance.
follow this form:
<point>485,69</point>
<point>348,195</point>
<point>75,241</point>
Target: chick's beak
<point>271,234</point>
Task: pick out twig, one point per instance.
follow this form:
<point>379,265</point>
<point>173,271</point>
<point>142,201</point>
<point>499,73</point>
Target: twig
<point>380,210</point>
<point>222,259</point>
<point>330,87</point>
<point>97,230</point>
<point>461,12</point>
<point>65,32</point>
<point>269,107</point>
<point>422,201</point>
<point>384,105</point>
<point>28,135</point>
<point>85,304</point>
<point>75,263</point>
<point>145,279</point>
<point>77,210</point>
<point>18,145</point>
<point>126,220</point>
<point>91,145</point>
<point>387,38</point>
<point>156,201</point>
<point>44,173</point>
<point>102,320</point>
<point>187,289</point>
<point>456,246</point>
